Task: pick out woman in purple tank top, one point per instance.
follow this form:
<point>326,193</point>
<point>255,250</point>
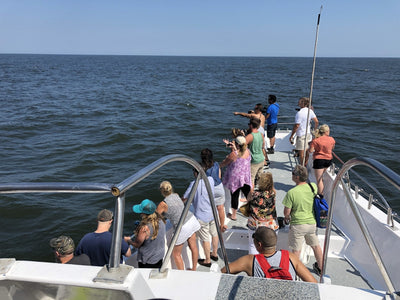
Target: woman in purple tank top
<point>237,175</point>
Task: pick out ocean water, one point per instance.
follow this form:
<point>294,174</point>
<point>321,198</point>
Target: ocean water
<point>102,118</point>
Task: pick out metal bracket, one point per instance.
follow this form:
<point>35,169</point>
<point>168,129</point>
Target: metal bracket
<point>5,265</point>
<point>113,275</point>
<point>156,274</point>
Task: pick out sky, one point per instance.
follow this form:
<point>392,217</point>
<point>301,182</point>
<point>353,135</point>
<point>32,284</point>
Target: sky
<point>348,28</point>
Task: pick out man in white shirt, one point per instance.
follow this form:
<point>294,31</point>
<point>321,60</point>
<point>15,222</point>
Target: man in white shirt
<point>301,126</point>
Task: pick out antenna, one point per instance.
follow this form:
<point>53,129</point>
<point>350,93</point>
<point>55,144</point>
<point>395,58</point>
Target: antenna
<point>312,85</point>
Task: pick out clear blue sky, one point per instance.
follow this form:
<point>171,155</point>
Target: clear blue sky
<point>348,28</point>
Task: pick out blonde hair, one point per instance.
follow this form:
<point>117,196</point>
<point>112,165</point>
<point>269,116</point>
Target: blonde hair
<point>321,130</point>
<point>265,181</point>
<point>237,132</point>
<point>166,188</point>
<point>241,148</point>
<point>154,220</point>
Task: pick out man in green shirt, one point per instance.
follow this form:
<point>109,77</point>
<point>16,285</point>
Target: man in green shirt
<point>298,210</point>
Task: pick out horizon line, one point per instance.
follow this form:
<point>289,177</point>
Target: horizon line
<point>192,55</point>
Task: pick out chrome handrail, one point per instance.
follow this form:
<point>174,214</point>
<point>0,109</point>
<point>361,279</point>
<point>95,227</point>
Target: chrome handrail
<point>54,187</point>
<point>387,174</point>
<point>119,190</point>
<point>383,204</point>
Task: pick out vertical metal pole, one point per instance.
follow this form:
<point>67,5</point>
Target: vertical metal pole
<point>312,85</point>
<point>115,255</point>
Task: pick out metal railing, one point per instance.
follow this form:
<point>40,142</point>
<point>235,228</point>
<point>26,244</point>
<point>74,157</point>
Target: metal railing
<point>119,191</point>
<point>387,174</point>
<point>379,202</point>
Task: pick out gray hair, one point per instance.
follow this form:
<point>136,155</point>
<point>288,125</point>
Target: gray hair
<point>300,171</point>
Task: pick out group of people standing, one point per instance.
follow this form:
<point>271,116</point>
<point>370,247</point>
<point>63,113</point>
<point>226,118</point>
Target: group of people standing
<point>298,202</point>
<point>244,173</point>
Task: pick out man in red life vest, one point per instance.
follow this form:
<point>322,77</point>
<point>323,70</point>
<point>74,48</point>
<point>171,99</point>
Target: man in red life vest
<point>270,263</point>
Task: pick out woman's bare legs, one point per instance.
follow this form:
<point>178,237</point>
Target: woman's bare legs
<point>319,174</point>
<point>192,242</point>
<point>221,214</point>
<point>177,256</point>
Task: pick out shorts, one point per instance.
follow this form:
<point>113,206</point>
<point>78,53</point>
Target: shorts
<point>300,140</point>
<point>297,234</point>
<point>271,130</point>
<point>254,168</point>
<point>322,163</point>
<point>207,230</point>
<point>219,194</point>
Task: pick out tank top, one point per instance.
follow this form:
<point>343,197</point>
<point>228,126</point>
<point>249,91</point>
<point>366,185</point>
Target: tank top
<point>273,260</point>
<point>255,147</point>
<point>175,208</point>
<point>237,174</point>
<point>214,173</point>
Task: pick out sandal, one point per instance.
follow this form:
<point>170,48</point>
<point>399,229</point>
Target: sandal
<point>214,258</point>
<point>230,217</point>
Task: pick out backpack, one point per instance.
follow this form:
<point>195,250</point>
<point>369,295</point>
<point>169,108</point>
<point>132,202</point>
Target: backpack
<point>281,272</point>
<point>321,209</point>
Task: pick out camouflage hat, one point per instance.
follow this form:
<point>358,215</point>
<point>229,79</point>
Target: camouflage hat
<point>105,215</point>
<point>63,245</point>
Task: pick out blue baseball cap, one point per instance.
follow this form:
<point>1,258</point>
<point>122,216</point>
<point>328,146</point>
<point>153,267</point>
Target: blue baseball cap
<point>147,207</point>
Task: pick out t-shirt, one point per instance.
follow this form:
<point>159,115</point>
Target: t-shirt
<point>152,251</point>
<point>300,200</point>
<point>175,209</point>
<point>301,119</point>
<point>82,259</point>
<point>323,147</point>
<point>273,111</point>
<point>98,247</point>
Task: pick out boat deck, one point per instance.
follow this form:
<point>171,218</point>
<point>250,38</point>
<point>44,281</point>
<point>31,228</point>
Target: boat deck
<point>38,280</point>
<point>338,269</point>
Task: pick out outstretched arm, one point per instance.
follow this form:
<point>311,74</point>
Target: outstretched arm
<point>242,114</point>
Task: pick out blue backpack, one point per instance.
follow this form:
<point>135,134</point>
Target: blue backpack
<point>321,209</point>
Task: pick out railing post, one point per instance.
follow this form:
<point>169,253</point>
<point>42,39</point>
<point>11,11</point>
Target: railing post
<point>389,220</point>
<point>115,255</point>
<point>370,199</point>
